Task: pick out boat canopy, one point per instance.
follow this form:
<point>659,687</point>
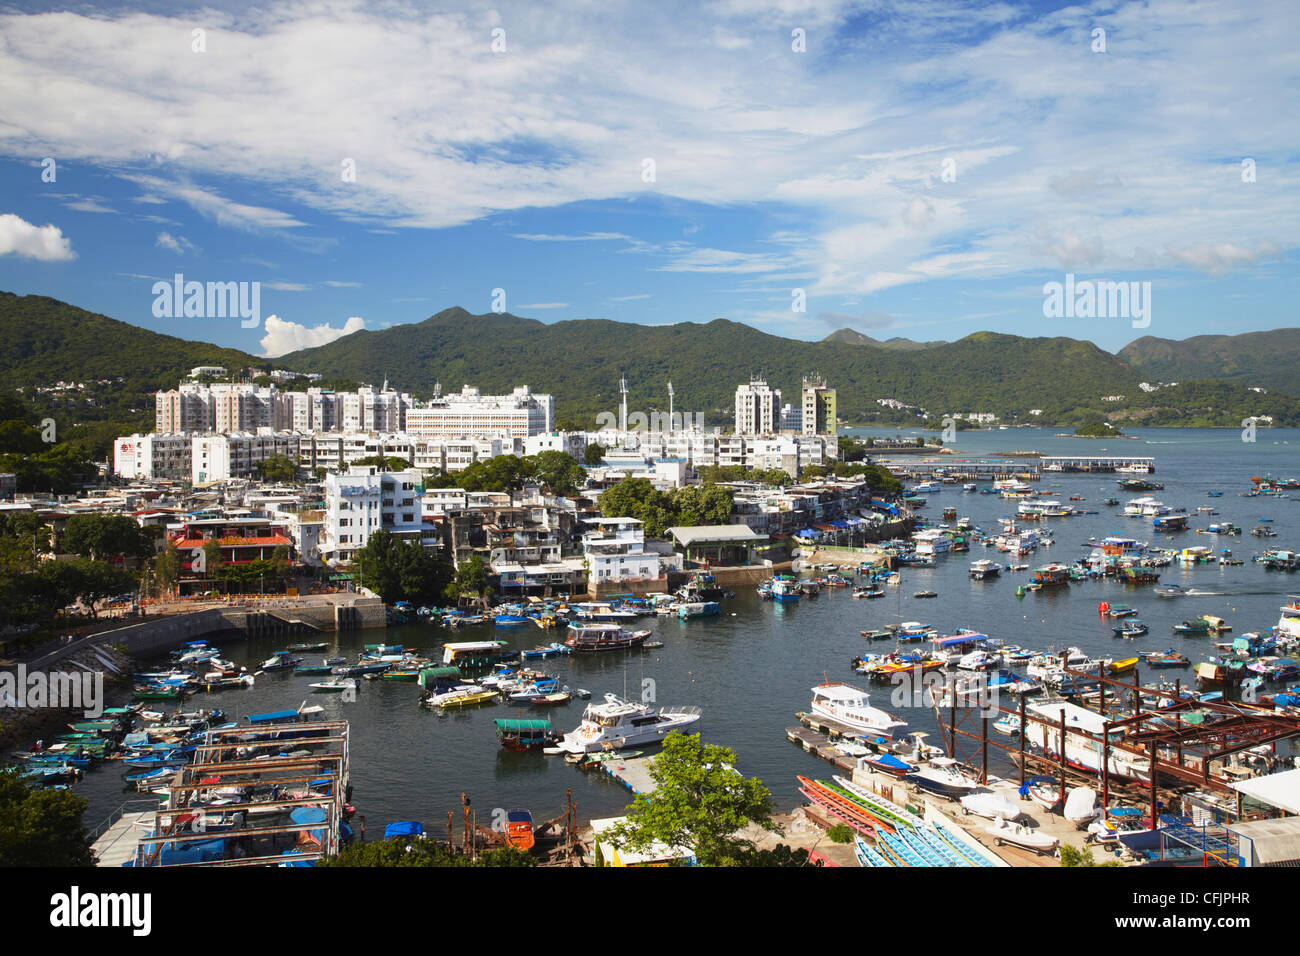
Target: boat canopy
<point>957,639</point>
<point>273,717</point>
<point>518,725</point>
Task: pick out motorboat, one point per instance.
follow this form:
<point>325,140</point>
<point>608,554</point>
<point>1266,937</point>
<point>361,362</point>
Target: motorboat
<point>984,568</point>
<point>944,776</point>
<point>850,706</point>
<point>1017,834</point>
<point>603,637</point>
<point>346,684</point>
<point>991,805</point>
<point>616,723</point>
<point>1044,791</point>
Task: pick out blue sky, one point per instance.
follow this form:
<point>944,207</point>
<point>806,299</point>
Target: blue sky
<point>917,169</point>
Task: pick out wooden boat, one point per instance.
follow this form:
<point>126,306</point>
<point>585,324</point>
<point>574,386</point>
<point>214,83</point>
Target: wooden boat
<point>1169,658</point>
<point>603,637</point>
<point>521,735</point>
<point>519,829</point>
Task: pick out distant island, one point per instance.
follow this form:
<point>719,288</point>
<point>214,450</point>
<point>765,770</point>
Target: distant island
<point>1098,430</point>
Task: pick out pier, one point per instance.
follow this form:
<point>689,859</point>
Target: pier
<point>254,796</point>
<point>962,469</point>
<point>1085,463</point>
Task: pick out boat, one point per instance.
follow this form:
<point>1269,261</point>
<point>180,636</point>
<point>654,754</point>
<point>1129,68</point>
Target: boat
<point>616,723</point>
<point>474,653</point>
<point>1116,822</point>
<point>1008,724</point>
<point>346,684</point>
<point>984,568</point>
<point>868,855</point>
<point>519,829</point>
<point>1168,591</point>
<point>511,620</point>
<point>1169,658</point>
<point>925,594</point>
<point>850,706</point>
<point>603,637</point>
<point>990,805</point>
<point>880,635</point>
<point>467,695</point>
<point>1017,834</point>
<point>698,609</point>
<point>869,591</point>
<point>888,764</point>
<point>1130,629</point>
<point>1044,791</point>
<point>1120,610</point>
<point>944,776</point>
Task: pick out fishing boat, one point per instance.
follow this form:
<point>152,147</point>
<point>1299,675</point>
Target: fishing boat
<point>880,635</point>
<point>280,661</point>
<point>474,653</point>
<point>603,637</point>
<point>1120,610</point>
<point>1017,834</point>
<point>698,609</point>
<point>511,620</point>
<point>868,591</point>
<point>521,735</point>
<point>1130,629</point>
<point>850,706</point>
<point>1169,658</point>
<point>617,723</point>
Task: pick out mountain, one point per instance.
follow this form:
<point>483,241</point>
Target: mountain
<point>43,341</point>
<point>854,337</point>
<point>1263,359</point>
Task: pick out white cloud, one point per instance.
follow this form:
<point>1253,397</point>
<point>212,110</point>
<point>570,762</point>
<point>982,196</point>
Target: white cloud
<point>629,298</point>
<point>337,284</point>
<point>544,305</point>
<point>283,336</point>
<point>45,243</point>
<point>1061,156</point>
<point>177,244</point>
<point>287,286</point>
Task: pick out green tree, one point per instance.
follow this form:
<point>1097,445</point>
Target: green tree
<point>277,468</point>
<point>400,570</point>
<point>700,802</point>
<point>167,569</point>
<point>471,578</point>
<point>102,536</point>
<point>41,827</point>
<point>557,471</point>
<point>594,454</point>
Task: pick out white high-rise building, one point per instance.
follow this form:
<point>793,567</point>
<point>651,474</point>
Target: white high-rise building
<point>758,408</point>
<point>520,414</point>
<point>366,500</point>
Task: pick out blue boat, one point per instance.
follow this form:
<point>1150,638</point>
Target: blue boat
<point>511,620</point>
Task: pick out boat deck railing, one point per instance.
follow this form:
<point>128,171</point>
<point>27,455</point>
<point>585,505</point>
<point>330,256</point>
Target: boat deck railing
<point>137,805</point>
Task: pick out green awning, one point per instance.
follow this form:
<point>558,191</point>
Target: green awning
<point>523,724</point>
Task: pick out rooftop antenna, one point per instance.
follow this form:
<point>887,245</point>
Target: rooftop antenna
<point>670,403</point>
<point>622,409</point>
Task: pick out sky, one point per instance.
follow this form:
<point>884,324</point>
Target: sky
<point>913,169</point>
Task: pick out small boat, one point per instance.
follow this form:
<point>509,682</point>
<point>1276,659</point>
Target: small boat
<point>1017,834</point>
<point>888,764</point>
<point>1168,591</point>
<point>1133,628</point>
<point>1044,791</point>
<point>347,684</point>
<point>1121,610</point>
<point>925,594</point>
<point>1169,658</point>
<point>519,829</point>
<point>1008,724</point>
<point>881,635</point>
<point>944,777</point>
<point>869,591</point>
<point>1081,807</point>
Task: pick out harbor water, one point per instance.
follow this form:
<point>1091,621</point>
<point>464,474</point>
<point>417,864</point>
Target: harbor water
<point>751,669</point>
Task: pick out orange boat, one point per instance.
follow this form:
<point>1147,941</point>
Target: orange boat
<point>519,829</point>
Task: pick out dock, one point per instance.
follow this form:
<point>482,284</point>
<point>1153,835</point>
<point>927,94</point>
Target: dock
<point>634,773</point>
<point>1092,463</point>
<point>116,845</point>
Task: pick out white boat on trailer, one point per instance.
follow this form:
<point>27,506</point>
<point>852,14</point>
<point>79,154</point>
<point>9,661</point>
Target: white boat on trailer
<point>850,706</point>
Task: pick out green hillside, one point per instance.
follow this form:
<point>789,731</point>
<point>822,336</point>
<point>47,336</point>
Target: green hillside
<point>1263,359</point>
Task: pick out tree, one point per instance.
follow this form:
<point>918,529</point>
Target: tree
<point>557,471</point>
<point>471,578</point>
<point>167,569</point>
<point>400,570</point>
<point>700,802</point>
<point>102,536</point>
<point>594,454</point>
<point>41,827</point>
<point>399,851</point>
<point>277,468</point>
<point>90,581</point>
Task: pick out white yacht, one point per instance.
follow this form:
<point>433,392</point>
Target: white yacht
<point>848,705</point>
<point>931,541</point>
<point>984,568</point>
<point>1146,507</point>
<point>616,723</point>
